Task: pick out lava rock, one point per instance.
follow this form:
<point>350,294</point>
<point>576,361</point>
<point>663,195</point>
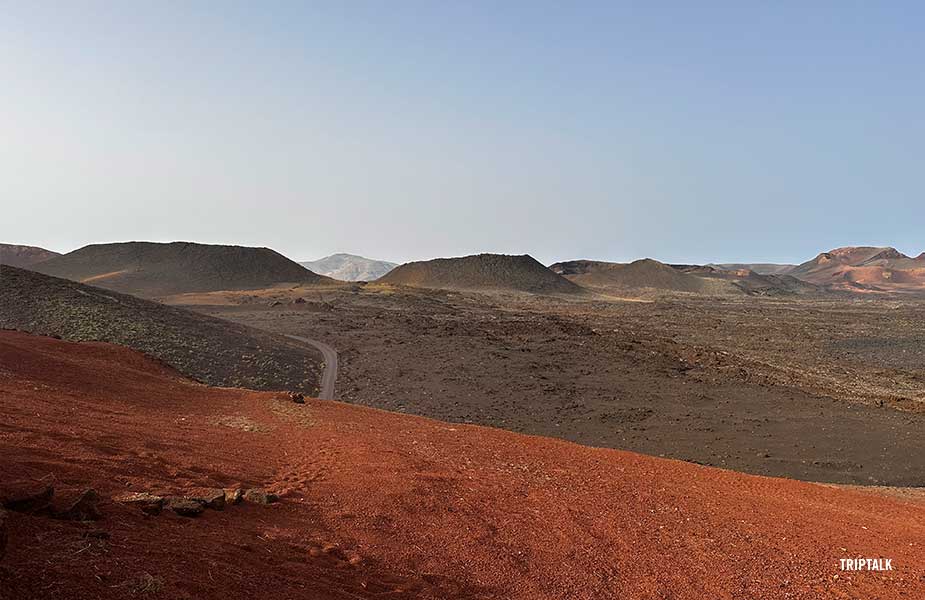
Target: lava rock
<point>260,496</point>
<point>185,507</point>
<point>25,496</point>
<point>213,498</point>
<point>148,503</point>
<point>77,505</point>
<point>234,496</point>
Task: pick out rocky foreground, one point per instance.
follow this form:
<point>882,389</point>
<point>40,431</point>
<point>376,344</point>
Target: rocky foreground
<point>374,504</point>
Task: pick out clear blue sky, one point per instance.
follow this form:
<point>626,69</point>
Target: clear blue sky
<point>683,131</point>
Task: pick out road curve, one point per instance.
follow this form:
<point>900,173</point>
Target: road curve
<point>330,365</point>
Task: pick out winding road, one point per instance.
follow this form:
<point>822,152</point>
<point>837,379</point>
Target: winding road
<point>330,365</point>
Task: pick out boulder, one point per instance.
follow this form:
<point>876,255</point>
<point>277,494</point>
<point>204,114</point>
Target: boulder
<point>260,496</point>
<point>25,496</point>
<point>183,506</point>
<point>148,503</point>
<point>77,505</point>
<point>213,498</point>
<point>234,496</point>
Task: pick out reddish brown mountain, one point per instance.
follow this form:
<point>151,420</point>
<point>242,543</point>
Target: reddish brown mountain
<point>23,256</point>
<point>482,272</point>
<point>865,268</point>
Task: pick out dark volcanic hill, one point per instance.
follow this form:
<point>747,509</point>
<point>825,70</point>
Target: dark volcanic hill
<point>23,256</point>
<point>482,272</point>
<point>645,274</point>
<point>210,350</point>
<point>752,283</point>
<point>151,269</point>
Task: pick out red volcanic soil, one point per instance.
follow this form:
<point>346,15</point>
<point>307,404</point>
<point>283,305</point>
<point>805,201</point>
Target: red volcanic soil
<point>383,505</point>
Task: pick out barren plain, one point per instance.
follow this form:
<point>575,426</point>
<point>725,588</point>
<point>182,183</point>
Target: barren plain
<point>811,388</point>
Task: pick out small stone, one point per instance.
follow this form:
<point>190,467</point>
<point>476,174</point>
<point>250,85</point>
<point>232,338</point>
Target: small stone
<point>25,496</point>
<point>77,505</point>
<point>185,507</point>
<point>234,496</point>
<point>260,496</point>
<point>148,503</point>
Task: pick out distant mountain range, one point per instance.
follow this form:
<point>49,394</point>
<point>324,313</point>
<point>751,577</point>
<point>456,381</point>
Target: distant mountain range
<point>155,270</point>
<point>645,273</point>
<point>349,267</point>
<point>23,256</point>
<point>851,269</point>
<point>653,276</point>
<point>759,268</point>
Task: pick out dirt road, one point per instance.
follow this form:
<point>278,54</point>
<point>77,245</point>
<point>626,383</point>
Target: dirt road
<point>330,365</point>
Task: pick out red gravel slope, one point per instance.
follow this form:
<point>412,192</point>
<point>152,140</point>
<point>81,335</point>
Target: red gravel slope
<point>382,505</point>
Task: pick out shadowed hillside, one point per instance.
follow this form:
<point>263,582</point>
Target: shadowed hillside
<point>150,269</point>
<point>23,256</point>
<point>210,350</point>
<point>482,272</point>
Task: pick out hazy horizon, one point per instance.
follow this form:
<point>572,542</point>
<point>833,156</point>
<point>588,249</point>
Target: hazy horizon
<point>714,132</point>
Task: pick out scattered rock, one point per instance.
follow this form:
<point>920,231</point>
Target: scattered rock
<point>275,303</point>
<point>260,496</point>
<point>299,300</point>
<point>25,496</point>
<point>297,397</point>
<point>77,505</point>
<point>185,507</point>
<point>234,496</point>
<point>148,503</point>
<point>213,498</point>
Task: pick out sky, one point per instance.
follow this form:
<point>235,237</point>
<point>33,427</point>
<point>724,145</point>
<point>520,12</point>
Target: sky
<point>403,130</point>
